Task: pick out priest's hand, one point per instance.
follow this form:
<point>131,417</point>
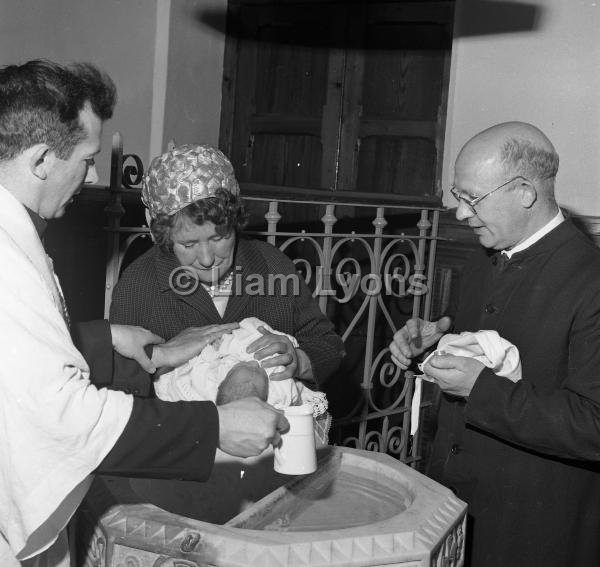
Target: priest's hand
<point>455,375</point>
<point>248,426</point>
<point>187,344</point>
<point>415,338</point>
<point>129,341</point>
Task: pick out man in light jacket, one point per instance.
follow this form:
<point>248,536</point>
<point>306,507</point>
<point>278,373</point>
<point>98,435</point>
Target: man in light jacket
<point>57,427</point>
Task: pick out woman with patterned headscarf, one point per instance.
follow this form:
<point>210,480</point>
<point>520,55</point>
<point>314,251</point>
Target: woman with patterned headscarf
<point>203,271</point>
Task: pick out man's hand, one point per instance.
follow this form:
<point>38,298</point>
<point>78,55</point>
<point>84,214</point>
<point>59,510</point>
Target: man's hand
<point>415,338</point>
<point>248,426</point>
<point>455,375</point>
<point>188,344</point>
<point>130,341</point>
<point>280,348</point>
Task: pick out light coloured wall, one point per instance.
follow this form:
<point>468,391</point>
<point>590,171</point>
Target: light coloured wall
<point>195,71</point>
<point>116,35</point>
<point>549,76</point>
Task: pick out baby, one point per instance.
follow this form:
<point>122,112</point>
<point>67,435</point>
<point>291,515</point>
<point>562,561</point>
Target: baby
<point>224,372</point>
<point>245,379</point>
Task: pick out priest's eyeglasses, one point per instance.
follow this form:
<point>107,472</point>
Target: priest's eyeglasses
<point>473,201</point>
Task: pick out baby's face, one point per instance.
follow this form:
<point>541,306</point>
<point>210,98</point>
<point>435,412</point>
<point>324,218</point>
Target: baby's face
<point>244,380</point>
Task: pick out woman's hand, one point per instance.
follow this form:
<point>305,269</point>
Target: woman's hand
<point>278,350</point>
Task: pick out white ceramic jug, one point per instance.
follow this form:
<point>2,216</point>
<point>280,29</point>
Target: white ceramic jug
<point>296,452</point>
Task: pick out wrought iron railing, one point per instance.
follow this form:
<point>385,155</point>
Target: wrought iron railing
<point>368,280</point>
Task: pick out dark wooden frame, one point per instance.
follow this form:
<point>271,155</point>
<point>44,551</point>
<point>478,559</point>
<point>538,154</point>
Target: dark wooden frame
<point>334,135</point>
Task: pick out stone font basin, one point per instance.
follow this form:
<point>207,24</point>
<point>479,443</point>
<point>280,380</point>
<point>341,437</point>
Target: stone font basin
<point>358,508</point>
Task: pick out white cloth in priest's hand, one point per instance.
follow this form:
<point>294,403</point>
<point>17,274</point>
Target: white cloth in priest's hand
<point>488,347</point>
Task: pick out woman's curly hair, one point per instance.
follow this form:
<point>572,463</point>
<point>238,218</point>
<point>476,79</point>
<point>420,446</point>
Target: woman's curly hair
<point>225,210</point>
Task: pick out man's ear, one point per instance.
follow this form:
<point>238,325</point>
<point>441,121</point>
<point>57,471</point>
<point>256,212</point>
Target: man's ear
<point>528,193</point>
<point>39,160</point>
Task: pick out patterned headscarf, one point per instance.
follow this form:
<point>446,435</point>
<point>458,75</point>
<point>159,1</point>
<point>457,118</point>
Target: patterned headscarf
<point>184,175</point>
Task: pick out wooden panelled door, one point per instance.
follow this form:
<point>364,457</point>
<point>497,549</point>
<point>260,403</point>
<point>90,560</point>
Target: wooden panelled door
<point>339,96</point>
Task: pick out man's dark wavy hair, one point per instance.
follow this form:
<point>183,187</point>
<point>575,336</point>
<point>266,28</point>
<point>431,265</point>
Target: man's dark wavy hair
<point>40,103</point>
<point>225,210</point>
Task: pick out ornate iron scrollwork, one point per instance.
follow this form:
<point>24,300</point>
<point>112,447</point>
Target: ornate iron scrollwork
<point>132,173</point>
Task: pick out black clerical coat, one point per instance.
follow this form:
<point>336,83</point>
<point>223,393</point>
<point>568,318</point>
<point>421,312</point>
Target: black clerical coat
<point>525,456</point>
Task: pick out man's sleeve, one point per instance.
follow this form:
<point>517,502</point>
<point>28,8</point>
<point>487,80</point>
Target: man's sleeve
<point>108,369</point>
<point>161,439</point>
<point>171,440</point>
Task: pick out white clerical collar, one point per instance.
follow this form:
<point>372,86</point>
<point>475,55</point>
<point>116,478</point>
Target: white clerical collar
<point>536,235</point>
